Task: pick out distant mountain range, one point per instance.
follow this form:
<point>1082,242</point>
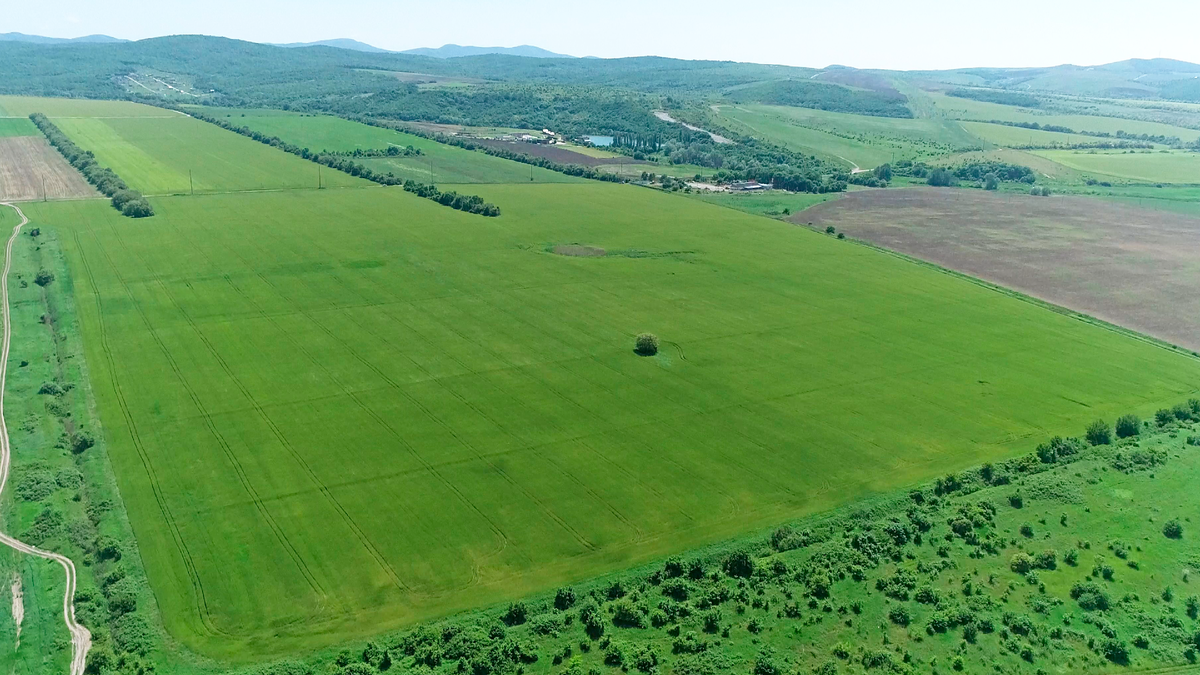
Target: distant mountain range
<point>38,39</point>
<point>443,52</point>
<point>454,51</point>
<point>340,43</point>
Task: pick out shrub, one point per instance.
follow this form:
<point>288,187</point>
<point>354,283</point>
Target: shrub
<point>81,441</point>
<point>546,624</point>
<point>739,564</point>
<point>1164,417</point>
<point>1021,563</point>
<point>991,182</point>
<point>646,344</point>
<point>627,615</point>
<point>1182,412</point>
<point>645,659</point>
<point>1173,529</point>
<point>43,278</point>
<point>1128,425</point>
<point>941,178</point>
<point>1099,433</point>
<point>1027,530</point>
<point>1047,560</point>
<point>766,665</point>
<point>1090,596</point>
<point>516,614</point>
<point>564,598</point>
<point>900,615</point>
<point>1116,651</point>
<point>829,229</point>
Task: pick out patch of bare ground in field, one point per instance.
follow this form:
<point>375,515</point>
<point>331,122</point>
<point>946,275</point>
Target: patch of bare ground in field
<point>27,161</point>
<point>1128,266</point>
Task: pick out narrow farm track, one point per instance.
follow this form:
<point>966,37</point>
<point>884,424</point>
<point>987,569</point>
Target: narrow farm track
<point>81,639</point>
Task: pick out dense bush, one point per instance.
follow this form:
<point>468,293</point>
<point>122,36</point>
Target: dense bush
<point>129,202</point>
<point>941,178</point>
<point>1012,98</point>
<point>1128,425</point>
<point>1173,529</point>
<point>1099,433</point>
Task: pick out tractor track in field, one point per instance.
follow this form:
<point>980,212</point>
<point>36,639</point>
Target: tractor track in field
<point>81,639</point>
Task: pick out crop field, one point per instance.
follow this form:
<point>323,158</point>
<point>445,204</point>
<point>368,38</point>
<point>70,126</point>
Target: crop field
<point>1127,265</point>
<point>334,413</point>
<point>1152,166</point>
<point>24,106</point>
<point>968,109</point>
<point>156,155</point>
<point>1006,136</point>
<point>860,140</point>
<point>17,126</point>
<point>437,163</point>
<point>31,169</point>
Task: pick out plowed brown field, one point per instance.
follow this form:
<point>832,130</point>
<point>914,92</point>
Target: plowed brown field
<point>27,161</point>
<point>1129,266</point>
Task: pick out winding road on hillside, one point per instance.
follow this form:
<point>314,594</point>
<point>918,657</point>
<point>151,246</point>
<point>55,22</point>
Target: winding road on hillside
<point>81,639</point>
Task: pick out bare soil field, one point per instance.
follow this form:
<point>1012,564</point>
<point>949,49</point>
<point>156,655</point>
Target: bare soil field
<point>26,160</point>
<point>1128,266</point>
<point>554,153</point>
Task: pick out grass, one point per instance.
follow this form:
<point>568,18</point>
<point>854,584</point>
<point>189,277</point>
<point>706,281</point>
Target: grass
<point>1152,166</point>
<point>772,204</point>
<point>18,126</point>
<point>23,106</point>
<point>337,413</point>
<point>968,109</point>
<point>156,156</point>
<point>890,586</point>
<point>451,165</point>
<point>1006,136</point>
<point>848,139</point>
<point>46,348</point>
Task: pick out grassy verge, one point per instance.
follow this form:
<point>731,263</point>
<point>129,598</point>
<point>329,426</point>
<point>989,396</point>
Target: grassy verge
<point>62,495</point>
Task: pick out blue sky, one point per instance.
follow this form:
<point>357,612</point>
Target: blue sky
<point>902,34</point>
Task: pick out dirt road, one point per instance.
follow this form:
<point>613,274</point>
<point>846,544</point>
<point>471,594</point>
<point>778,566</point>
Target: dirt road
<point>81,639</point>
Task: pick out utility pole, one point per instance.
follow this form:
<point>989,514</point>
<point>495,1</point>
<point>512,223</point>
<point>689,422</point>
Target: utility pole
<point>44,197</point>
<point>431,181</point>
<point>191,185</point>
<point>318,176</point>
<point>530,173</point>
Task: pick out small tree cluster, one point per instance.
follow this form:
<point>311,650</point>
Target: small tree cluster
<point>646,344</point>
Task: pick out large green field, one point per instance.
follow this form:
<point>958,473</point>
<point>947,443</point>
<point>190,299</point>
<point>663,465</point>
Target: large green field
<point>1006,136</point>
<point>1152,166</point>
<point>852,140</point>
<point>17,126</point>
<point>178,154</point>
<point>438,162</point>
<point>968,109</point>
<point>23,106</point>
<point>334,413</point>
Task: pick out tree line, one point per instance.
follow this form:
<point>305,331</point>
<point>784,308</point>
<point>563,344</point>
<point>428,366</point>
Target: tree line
<point>129,202</point>
<point>1119,134</point>
<point>568,169</point>
<point>469,203</point>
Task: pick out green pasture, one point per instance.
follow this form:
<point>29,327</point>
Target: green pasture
<point>450,165</point>
<point>771,204</point>
<point>23,106</point>
<point>336,413</point>
<point>1006,136</point>
<point>851,140</point>
<point>17,126</point>
<point>968,109</point>
<point>315,132</point>
<point>1153,166</point>
<point>156,156</point>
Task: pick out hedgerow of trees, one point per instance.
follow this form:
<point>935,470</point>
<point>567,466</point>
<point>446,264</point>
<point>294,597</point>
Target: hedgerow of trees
<point>468,203</point>
<point>129,202</point>
<point>1012,98</point>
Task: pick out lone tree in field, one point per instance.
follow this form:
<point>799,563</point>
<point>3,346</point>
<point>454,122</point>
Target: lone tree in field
<point>647,344</point>
<point>991,182</point>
